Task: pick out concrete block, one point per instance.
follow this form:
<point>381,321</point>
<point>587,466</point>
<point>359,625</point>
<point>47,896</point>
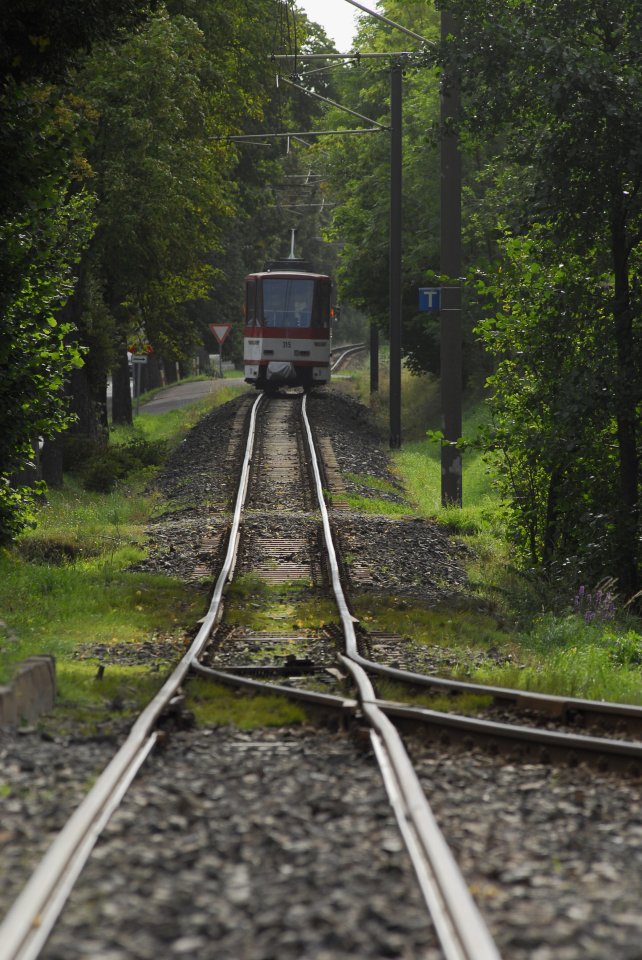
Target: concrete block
<point>32,691</point>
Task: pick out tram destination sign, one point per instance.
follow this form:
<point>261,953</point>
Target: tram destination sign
<point>429,299</point>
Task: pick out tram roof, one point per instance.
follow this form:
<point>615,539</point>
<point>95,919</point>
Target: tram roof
<point>283,274</point>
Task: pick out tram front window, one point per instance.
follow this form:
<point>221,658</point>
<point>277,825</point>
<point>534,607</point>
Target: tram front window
<point>287,302</point>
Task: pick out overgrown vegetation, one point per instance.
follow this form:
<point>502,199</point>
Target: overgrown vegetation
<point>127,218</point>
<point>66,587</point>
<point>281,607</point>
<point>114,128</point>
<point>587,642</point>
<point>216,705</point>
<point>552,211</point>
<point>553,97</point>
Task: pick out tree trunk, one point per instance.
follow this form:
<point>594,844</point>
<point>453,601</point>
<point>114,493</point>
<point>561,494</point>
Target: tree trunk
<point>121,397</point>
<point>153,372</point>
<point>170,370</point>
<point>51,462</point>
<point>550,523</point>
<point>99,393</point>
<point>626,394</point>
<point>82,405</point>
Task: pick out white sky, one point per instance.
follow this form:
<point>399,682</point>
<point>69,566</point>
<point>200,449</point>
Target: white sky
<point>338,18</point>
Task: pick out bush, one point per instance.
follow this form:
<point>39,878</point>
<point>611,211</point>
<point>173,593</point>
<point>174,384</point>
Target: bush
<point>101,470</point>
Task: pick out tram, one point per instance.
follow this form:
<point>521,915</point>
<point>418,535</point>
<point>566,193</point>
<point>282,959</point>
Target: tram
<point>288,326</point>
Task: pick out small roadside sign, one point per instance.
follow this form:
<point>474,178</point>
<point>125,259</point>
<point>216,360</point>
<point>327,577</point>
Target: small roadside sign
<point>220,331</point>
<point>139,358</point>
<point>430,299</point>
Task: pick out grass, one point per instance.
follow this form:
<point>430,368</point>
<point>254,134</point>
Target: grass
<point>467,704</point>
<point>91,702</point>
<point>373,483</point>
<point>217,705</point>
<point>375,505</point>
<point>67,584</point>
<point>175,424</point>
<point>262,606</point>
<point>460,629</point>
<point>56,608</point>
<point>565,655</point>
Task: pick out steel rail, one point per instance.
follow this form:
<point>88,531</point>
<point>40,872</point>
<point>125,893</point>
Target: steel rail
<point>630,750</point>
<point>329,701</point>
<point>344,352</point>
<point>553,704</point>
<point>572,743</point>
<point>459,925</point>
<point>33,914</point>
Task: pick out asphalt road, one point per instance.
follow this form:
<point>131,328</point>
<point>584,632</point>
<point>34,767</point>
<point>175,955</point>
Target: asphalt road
<point>181,394</point>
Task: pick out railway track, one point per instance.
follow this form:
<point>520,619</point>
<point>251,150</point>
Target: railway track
<point>461,930</point>
<point>341,356</point>
<point>292,553</point>
<point>272,554</point>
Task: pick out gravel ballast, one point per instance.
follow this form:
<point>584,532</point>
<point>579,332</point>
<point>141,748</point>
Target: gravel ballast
<point>281,843</point>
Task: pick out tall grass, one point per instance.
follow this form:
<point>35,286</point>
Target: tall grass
<point>173,425</point>
<point>419,460</point>
<point>565,655</point>
<point>67,584</point>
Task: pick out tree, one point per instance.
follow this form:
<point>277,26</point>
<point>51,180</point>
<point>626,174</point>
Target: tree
<point>552,436</point>
<point>358,177</point>
<point>46,219</point>
<point>161,183</point>
<point>173,195</point>
<point>562,83</point>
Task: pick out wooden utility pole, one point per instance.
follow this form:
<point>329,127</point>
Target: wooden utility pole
<point>374,358</point>
<point>396,119</point>
<point>451,268</point>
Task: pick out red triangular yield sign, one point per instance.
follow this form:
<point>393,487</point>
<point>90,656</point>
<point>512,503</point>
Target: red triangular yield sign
<point>220,330</point>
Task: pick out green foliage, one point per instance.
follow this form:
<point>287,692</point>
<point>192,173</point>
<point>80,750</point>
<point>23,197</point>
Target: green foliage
<point>552,437</point>
<point>184,214</point>
<point>100,466</point>
<point>159,175</point>
<point>17,508</point>
<point>358,175</point>
<point>117,195</point>
<point>46,220</point>
<point>555,90</point>
<point>37,352</point>
<point>566,656</point>
<point>108,465</point>
<point>58,606</point>
<point>45,41</point>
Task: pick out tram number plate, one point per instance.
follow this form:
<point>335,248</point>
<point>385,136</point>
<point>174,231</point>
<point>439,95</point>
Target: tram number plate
<point>286,343</point>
